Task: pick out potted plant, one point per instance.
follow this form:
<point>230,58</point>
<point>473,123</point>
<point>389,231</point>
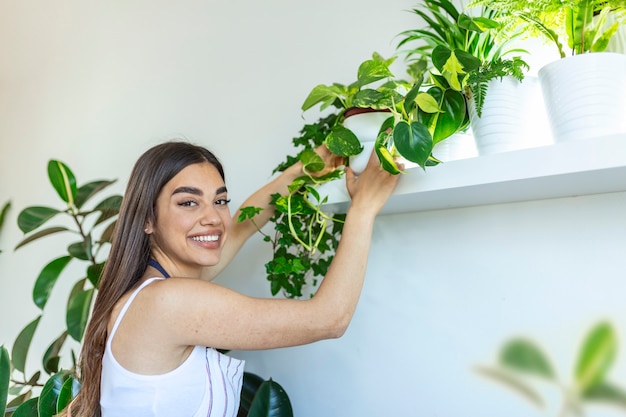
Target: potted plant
<point>449,35</point>
<point>583,88</point>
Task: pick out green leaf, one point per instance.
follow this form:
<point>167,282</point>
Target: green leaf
<point>78,313</point>
<point>32,217</point>
<point>5,378</point>
<point>50,394</point>
<point>251,384</point>
<point>311,161</point>
<point>94,272</point>
<point>597,354</point>
<point>3,212</point>
<point>84,193</point>
<point>22,345</point>
<point>467,23</point>
<point>41,234</point>
<point>271,400</point>
<point>413,142</point>
<point>427,103</point>
<point>524,356</point>
<point>63,181</point>
<point>68,392</point>
<point>322,94</point>
<point>46,280</point>
<point>81,250</point>
<point>248,213</point>
<point>51,357</point>
<point>386,160</point>
<point>109,207</point>
<point>372,70</point>
<point>447,122</point>
<point>27,409</point>
<point>341,141</point>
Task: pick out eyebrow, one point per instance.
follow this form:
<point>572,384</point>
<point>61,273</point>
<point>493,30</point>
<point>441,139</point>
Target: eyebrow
<point>197,191</point>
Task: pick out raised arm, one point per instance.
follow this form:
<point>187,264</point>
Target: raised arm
<point>216,316</point>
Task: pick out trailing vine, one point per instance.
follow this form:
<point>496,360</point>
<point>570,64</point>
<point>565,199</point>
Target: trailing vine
<point>304,238</point>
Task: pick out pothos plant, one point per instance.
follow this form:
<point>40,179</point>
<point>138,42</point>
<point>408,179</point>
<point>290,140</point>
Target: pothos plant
<point>304,237</point>
<point>522,366</point>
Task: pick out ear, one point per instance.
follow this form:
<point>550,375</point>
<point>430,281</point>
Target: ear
<point>148,228</point>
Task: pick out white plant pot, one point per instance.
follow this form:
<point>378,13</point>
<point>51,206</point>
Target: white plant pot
<point>585,95</point>
<point>366,127</point>
<point>461,145</point>
<point>513,117</point>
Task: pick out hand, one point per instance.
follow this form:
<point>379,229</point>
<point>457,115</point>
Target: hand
<point>373,187</point>
<point>331,161</point>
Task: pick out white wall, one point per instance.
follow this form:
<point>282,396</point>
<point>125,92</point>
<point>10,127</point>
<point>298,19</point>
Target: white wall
<point>95,83</point>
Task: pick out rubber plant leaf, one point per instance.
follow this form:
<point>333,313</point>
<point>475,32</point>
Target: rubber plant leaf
<point>22,345</point>
<point>41,234</point>
<point>250,386</point>
<point>95,270</point>
<point>109,207</point>
<point>63,181</point>
<point>81,250</point>
<point>29,408</point>
<point>413,141</point>
<point>341,141</point>
<point>50,394</point>
<point>5,378</point>
<point>46,280</point>
<point>523,355</point>
<point>78,313</point>
<point>32,217</point>
<point>69,390</point>
<point>596,356</point>
<point>51,357</point>
<point>271,400</point>
<point>84,193</point>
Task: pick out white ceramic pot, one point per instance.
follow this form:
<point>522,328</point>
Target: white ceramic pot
<point>461,145</point>
<point>513,117</point>
<point>585,95</point>
<point>365,126</point>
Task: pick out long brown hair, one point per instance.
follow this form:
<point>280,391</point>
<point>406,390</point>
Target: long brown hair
<point>129,255</point>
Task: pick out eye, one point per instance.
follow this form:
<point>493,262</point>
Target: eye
<point>187,203</point>
<point>222,202</point>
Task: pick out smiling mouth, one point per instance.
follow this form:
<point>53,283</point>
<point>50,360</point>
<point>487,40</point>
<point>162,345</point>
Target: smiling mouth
<point>208,238</point>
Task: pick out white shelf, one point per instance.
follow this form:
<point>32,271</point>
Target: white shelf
<point>565,169</point>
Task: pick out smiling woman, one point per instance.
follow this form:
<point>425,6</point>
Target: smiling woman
<point>174,229</point>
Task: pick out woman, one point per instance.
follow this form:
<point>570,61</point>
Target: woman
<point>149,347</point>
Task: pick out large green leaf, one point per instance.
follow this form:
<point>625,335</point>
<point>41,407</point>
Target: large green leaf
<point>93,273</point>
<point>109,207</point>
<point>32,217</point>
<point>28,408</point>
<point>41,234</point>
<point>597,354</point>
<point>311,161</point>
<point>63,181</point>
<point>84,193</point>
<point>341,141</point>
<point>81,250</point>
<point>5,378</point>
<point>249,388</point>
<point>46,280</point>
<point>413,142</point>
<point>22,345</point>
<point>78,313</point>
<point>607,393</point>
<point>524,356</point>
<point>372,70</point>
<point>50,394</point>
<point>447,122</point>
<point>271,400</point>
<point>51,357</point>
<point>69,390</point>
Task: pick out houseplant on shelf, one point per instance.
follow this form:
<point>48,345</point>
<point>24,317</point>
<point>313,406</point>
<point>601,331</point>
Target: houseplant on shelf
<point>583,88</point>
<point>56,385</point>
<point>447,31</point>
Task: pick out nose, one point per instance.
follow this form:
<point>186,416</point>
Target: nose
<point>210,216</point>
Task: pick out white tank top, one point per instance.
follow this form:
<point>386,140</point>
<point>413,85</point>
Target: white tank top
<point>207,383</point>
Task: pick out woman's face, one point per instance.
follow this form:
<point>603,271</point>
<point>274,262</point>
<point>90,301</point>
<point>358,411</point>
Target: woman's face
<point>192,218</point>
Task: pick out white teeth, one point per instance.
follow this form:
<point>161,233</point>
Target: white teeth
<point>205,238</point>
